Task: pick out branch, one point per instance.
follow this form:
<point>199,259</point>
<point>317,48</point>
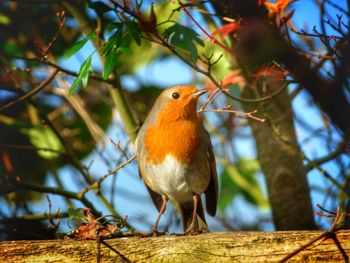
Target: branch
<point>94,76</point>
<point>35,217</point>
<point>62,17</point>
<point>237,113</point>
<point>19,185</point>
<point>339,150</point>
<point>210,247</point>
<point>101,179</point>
<point>32,92</point>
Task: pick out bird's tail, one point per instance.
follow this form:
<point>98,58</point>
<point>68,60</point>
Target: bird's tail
<point>186,212</point>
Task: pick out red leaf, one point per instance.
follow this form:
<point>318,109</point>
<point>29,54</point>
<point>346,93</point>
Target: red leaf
<point>7,162</point>
<point>227,29</point>
<point>274,76</point>
<point>271,71</point>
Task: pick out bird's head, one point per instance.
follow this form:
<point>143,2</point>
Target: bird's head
<point>176,103</point>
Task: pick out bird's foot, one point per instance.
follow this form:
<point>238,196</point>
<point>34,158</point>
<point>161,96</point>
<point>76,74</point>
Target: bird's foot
<point>192,231</point>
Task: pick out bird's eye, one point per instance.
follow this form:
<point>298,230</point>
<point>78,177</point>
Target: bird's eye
<point>175,95</point>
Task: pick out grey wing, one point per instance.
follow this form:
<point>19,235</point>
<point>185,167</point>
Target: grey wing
<point>156,198</point>
<point>211,193</point>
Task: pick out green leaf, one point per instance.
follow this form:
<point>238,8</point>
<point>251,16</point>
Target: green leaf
<point>110,63</point>
<point>114,40</point>
<point>229,190</point>
<point>134,31</point>
<point>83,76</point>
<point>241,179</point>
<point>125,49</point>
<point>11,48</point>
<point>4,19</point>
<point>111,50</point>
<point>45,138</point>
<point>75,214</point>
<point>100,7</point>
<point>184,38</point>
<point>78,45</point>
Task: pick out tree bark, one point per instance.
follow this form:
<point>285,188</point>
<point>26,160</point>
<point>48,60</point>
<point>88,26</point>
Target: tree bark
<point>210,247</point>
<point>285,175</point>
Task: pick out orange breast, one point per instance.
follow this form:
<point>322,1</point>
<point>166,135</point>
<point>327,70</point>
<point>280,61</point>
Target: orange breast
<point>179,138</point>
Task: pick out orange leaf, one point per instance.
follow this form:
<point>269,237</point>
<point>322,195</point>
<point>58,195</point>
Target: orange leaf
<point>235,77</point>
<point>277,8</point>
<point>227,29</point>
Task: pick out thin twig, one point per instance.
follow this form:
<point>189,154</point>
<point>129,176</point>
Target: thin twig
<point>32,92</point>
<point>211,37</point>
<point>62,17</point>
<point>237,113</point>
<point>101,179</point>
<point>330,233</point>
<point>124,258</point>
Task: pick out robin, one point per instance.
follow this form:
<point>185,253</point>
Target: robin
<point>176,159</point>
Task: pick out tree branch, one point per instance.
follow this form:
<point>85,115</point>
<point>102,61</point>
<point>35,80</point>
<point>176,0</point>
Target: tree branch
<point>209,247</point>
<point>31,93</point>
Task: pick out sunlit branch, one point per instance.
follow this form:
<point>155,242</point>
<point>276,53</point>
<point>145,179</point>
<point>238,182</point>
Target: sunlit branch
<point>101,179</point>
<point>236,113</point>
<point>94,76</point>
<point>19,185</point>
<point>34,217</point>
<point>332,155</point>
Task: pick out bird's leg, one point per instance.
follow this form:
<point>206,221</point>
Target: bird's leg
<point>194,215</point>
<point>161,212</point>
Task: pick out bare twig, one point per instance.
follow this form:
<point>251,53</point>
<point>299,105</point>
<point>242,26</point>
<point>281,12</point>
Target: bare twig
<point>32,92</point>
<point>117,146</point>
<point>62,18</point>
<point>17,185</point>
<point>237,113</point>
<point>330,156</point>
<point>101,179</point>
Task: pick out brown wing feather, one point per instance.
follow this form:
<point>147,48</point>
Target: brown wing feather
<point>211,193</point>
<point>156,198</point>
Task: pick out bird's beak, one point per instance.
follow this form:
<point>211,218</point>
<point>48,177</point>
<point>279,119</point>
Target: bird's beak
<point>199,93</point>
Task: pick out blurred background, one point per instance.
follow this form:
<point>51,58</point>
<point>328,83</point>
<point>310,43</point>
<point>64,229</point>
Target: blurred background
<point>77,79</point>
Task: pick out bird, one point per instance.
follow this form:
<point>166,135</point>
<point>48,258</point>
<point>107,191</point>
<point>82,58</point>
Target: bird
<point>176,159</point>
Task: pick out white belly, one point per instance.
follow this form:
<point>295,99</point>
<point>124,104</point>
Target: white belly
<point>175,180</point>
